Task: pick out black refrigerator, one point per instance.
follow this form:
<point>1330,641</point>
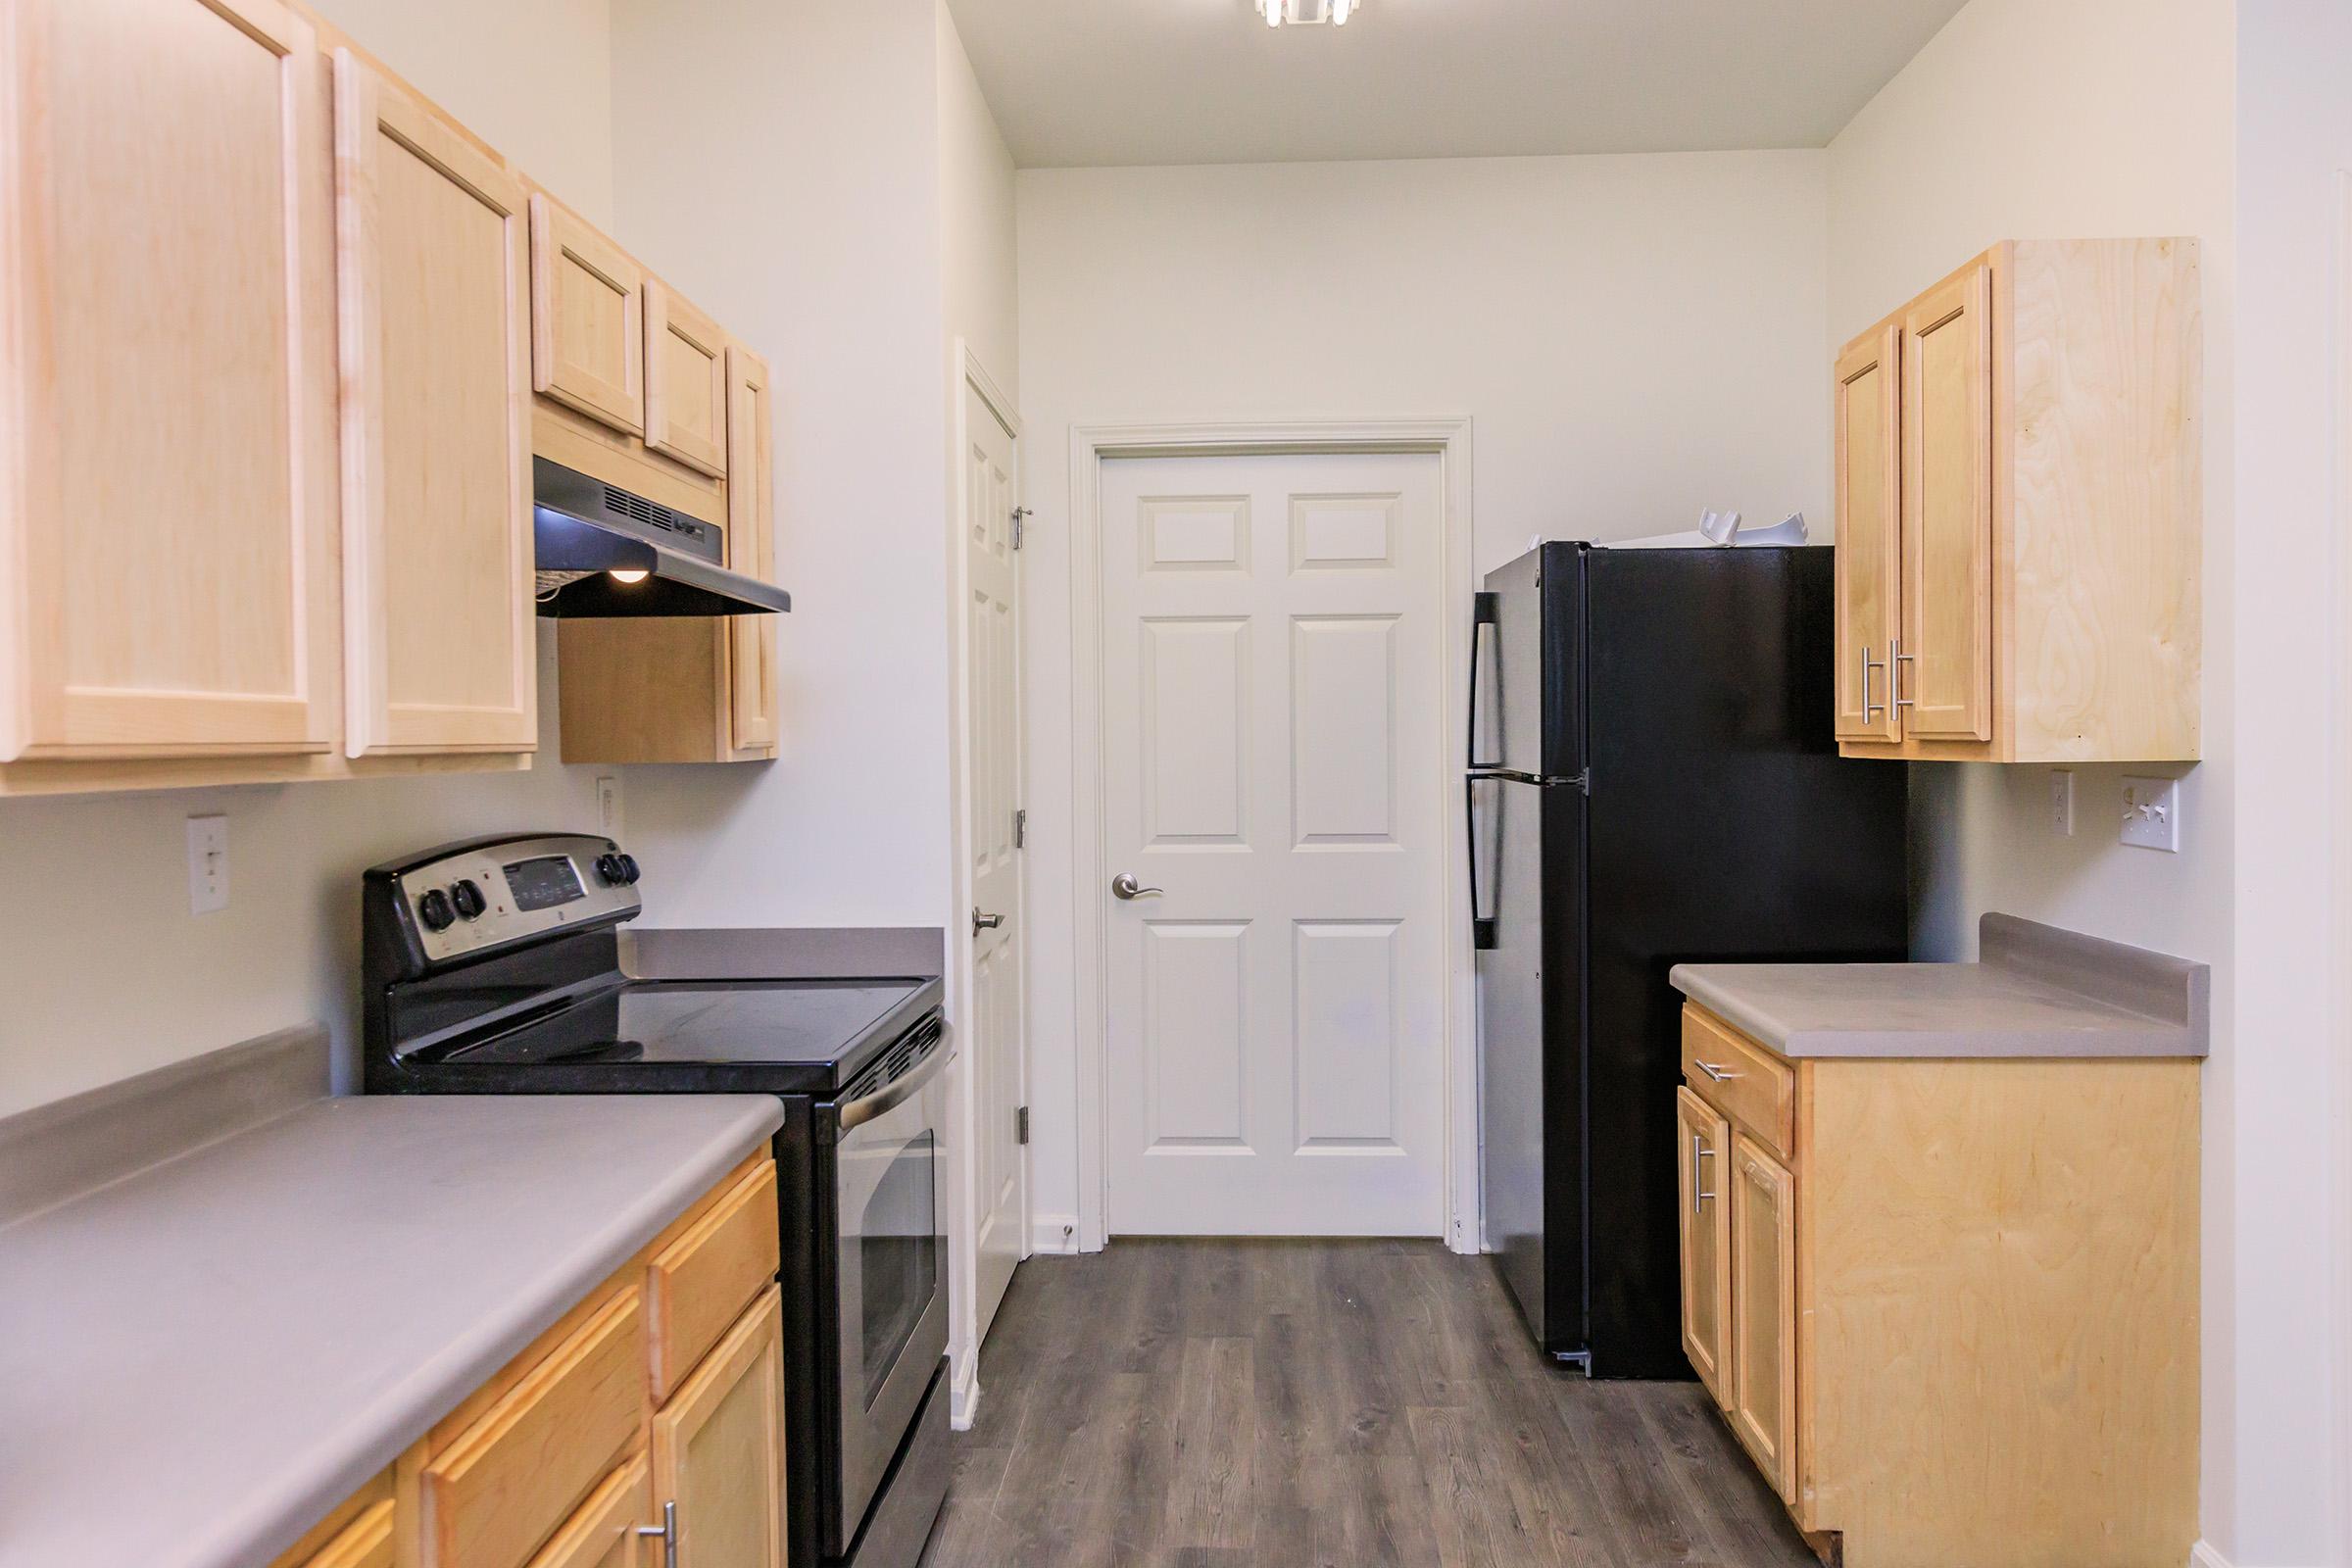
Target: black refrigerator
<point>1653,780</point>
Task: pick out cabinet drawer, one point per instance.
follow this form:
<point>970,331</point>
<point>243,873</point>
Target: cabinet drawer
<point>603,1533</point>
<point>497,1493</point>
<point>364,1542</point>
<point>1745,1082</point>
<point>701,1281</point>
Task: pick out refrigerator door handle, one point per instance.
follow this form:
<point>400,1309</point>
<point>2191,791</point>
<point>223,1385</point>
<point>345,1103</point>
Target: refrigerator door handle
<point>1485,621</point>
<point>1483,933</point>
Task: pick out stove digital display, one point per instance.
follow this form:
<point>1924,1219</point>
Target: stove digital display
<point>543,884</point>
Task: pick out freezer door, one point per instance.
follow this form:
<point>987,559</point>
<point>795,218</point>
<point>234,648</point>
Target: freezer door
<point>1527,713</point>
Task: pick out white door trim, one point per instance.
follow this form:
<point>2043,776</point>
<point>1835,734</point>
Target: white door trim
<point>1448,439</point>
<point>964,1185</point>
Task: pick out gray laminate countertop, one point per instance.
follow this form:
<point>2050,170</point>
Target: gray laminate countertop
<point>2036,991</point>
<point>203,1357</point>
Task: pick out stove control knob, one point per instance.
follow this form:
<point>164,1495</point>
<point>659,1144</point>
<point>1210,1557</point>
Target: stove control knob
<point>468,897</point>
<point>607,868</point>
<point>628,869</point>
<point>434,910</point>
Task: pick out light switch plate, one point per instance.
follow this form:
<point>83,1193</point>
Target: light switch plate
<point>208,865</point>
<point>2152,813</point>
<point>2062,802</point>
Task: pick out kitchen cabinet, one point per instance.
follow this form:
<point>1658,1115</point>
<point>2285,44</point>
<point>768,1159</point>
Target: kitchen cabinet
<point>440,640</point>
<point>718,1450</point>
<point>2020,512</point>
<point>1952,1311</point>
<point>1705,1238</point>
<point>1761,1392</point>
<point>166,385</point>
<point>689,689</point>
<point>685,382</point>
<point>587,319</point>
<point>578,1444</point>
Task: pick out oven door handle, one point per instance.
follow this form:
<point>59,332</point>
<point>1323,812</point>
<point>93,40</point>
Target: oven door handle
<point>857,1112</point>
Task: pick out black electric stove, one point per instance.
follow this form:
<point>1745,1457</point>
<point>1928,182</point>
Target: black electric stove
<point>494,967</point>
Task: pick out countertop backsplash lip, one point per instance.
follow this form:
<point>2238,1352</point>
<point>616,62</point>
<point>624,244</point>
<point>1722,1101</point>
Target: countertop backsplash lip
<point>2037,991</point>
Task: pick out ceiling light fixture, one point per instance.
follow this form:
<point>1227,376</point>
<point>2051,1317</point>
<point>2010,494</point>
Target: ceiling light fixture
<point>1308,13</point>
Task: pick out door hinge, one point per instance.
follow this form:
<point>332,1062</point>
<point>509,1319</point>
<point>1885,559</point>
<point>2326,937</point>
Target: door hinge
<point>1020,1125</point>
<point>1020,829</point>
<point>1021,516</point>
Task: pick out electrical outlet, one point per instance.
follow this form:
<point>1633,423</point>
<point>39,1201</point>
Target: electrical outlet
<point>2152,813</point>
<point>608,806</point>
<point>2062,802</point>
<point>208,865</point>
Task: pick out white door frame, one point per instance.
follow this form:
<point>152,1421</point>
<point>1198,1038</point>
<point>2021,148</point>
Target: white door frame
<point>964,1183</point>
<point>1446,439</point>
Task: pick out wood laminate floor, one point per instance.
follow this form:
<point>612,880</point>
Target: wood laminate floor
<point>1325,1404</point>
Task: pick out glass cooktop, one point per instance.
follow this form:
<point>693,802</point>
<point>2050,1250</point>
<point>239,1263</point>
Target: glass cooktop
<point>803,1022</point>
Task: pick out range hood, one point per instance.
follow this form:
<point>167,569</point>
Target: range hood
<point>606,553</point>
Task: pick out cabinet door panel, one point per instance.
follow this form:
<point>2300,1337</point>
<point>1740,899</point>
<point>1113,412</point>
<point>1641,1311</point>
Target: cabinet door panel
<point>602,1534</point>
<point>718,1449</point>
<point>752,547</point>
<point>1946,673</point>
<point>1869,433</point>
<point>685,382</point>
<point>1702,1155</point>
<point>1763,1326</point>
<point>587,320</point>
<point>167,382</point>
<point>440,636</point>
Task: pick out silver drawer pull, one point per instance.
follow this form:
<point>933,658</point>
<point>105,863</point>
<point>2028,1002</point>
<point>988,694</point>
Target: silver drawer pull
<point>1713,1071</point>
<point>1699,1180</point>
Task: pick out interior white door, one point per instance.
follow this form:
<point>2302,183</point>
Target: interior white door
<point>1271,629</point>
<point>993,1034</point>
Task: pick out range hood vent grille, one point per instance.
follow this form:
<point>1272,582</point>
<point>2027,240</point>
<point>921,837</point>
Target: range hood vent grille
<point>651,513</point>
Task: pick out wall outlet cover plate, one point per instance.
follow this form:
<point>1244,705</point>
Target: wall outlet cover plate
<point>2152,813</point>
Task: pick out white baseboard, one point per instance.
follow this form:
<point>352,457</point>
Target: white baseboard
<point>963,1393</point>
<point>2204,1554</point>
<point>1053,1235</point>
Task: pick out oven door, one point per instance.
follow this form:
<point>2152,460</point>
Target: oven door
<point>892,1267</point>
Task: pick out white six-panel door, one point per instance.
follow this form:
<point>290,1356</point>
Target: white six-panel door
<point>991,762</point>
<point>1271,646</point>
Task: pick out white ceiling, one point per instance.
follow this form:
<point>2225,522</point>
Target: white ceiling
<point>1193,81</point>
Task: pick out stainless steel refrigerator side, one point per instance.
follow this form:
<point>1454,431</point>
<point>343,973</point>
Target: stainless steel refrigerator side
<point>1511,1045</point>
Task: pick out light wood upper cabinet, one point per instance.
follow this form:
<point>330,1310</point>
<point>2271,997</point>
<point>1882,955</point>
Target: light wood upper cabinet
<point>587,319</point>
<point>718,1449</point>
<point>751,546</point>
<point>1869,437</point>
<point>1944,671</point>
<point>167,382</point>
<point>1703,1155</point>
<point>1760,1390</point>
<point>2043,452</point>
<point>685,382</point>
<point>441,651</point>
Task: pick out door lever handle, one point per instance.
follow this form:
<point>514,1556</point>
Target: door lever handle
<point>985,923</point>
<point>1124,886</point>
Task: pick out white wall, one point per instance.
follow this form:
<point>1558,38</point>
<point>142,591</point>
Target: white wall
<point>108,975</point>
<point>2287,1215</point>
<point>780,165</point>
<point>2027,119</point>
<point>1633,337</point>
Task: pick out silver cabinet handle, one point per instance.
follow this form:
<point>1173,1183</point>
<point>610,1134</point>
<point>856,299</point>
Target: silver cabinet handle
<point>1868,665</point>
<point>666,1534</point>
<point>985,923</point>
<point>1125,886</point>
<point>1897,658</point>
<point>1699,1180</point>
<point>1713,1071</point>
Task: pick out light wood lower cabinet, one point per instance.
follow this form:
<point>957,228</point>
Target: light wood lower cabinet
<point>1700,1157</point>
<point>564,1456</point>
<point>718,1450</point>
<point>1958,1323</point>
